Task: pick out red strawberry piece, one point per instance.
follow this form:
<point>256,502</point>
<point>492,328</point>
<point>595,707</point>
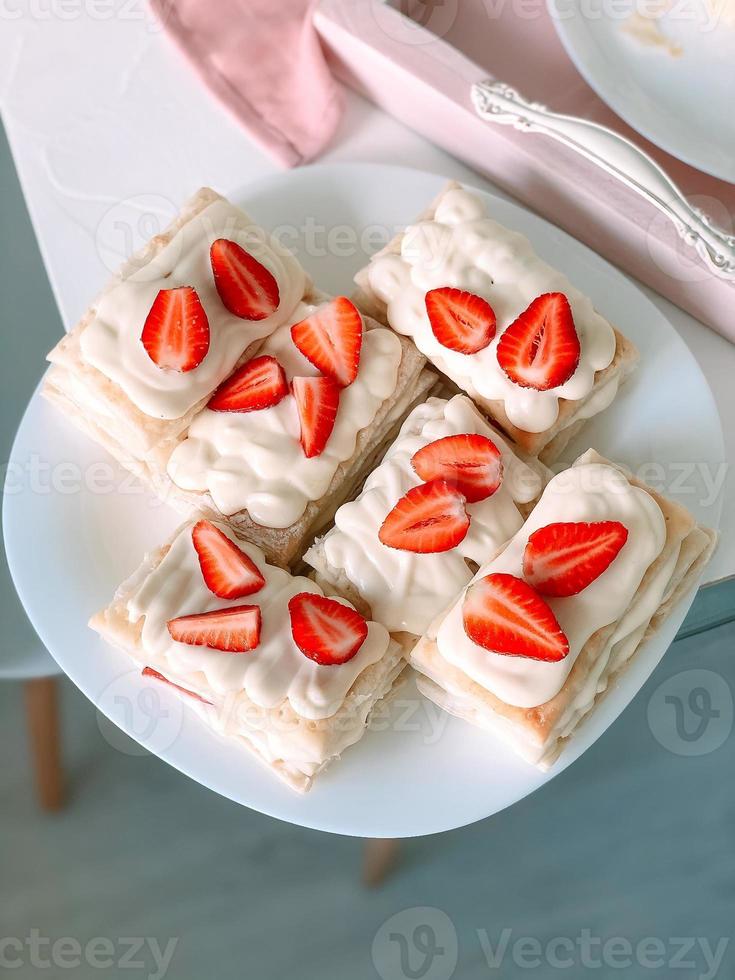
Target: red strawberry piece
<point>245,286</point>
<point>472,463</point>
<point>331,338</point>
<point>325,630</point>
<point>317,401</point>
<point>460,320</point>
<point>150,672</point>
<point>227,571</point>
<point>429,518</point>
<point>176,330</point>
<point>563,559</point>
<point>541,348</point>
<point>233,630</point>
<point>504,614</point>
<point>260,383</point>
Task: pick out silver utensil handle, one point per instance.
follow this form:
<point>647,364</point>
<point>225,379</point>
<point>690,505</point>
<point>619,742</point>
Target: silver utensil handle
<point>616,155</point>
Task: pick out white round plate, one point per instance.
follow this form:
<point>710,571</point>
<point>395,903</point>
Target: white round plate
<point>682,104</point>
<point>71,540</point>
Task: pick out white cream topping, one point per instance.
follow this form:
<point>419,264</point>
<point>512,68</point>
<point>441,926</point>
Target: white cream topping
<point>112,344</point>
<point>276,670</point>
<point>254,461</point>
<point>464,248</point>
<point>586,492</point>
<point>405,590</point>
<point>599,400</point>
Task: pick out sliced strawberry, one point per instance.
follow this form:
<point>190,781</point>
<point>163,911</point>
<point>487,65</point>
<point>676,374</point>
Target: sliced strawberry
<point>150,672</point>
<point>325,630</point>
<point>176,330</point>
<point>331,338</point>
<point>227,571</point>
<point>245,286</point>
<point>472,463</point>
<point>430,517</point>
<point>260,383</point>
<point>563,559</point>
<point>460,320</point>
<point>317,401</point>
<point>541,348</point>
<point>234,630</point>
<point>504,614</point>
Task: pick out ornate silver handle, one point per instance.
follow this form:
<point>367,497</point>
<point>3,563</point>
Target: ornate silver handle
<point>616,155</point>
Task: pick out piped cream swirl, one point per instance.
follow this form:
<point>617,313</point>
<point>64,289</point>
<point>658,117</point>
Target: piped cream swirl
<point>111,343</point>
<point>254,461</point>
<point>586,492</point>
<point>464,248</point>
<point>276,669</point>
<point>405,590</point>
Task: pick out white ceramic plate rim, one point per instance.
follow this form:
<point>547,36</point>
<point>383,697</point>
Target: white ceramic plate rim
<point>576,41</point>
<point>321,808</point>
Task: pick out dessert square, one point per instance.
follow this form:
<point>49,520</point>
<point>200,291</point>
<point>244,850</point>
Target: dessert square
<point>403,588</point>
<point>262,655</point>
<point>550,621</point>
<point>277,456</point>
<point>498,321</point>
<point>170,326</point>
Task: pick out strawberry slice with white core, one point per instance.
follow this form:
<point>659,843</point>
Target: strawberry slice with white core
<point>460,320</point>
<point>331,338</point>
<point>176,331</point>
<point>541,348</point>
<point>245,286</point>
<point>260,383</point>
<point>150,672</point>
<point>472,463</point>
<point>326,631</point>
<point>317,401</point>
<point>505,615</point>
<point>233,630</point>
<point>429,518</point>
<point>227,571</point>
<point>563,559</point>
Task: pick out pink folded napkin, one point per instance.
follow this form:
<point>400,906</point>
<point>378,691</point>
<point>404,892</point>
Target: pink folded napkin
<point>263,60</point>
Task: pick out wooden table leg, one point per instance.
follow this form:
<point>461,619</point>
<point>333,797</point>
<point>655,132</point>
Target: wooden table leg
<point>42,714</point>
<point>380,856</point>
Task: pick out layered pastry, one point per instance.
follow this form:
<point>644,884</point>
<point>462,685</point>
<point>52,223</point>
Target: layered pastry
<point>265,657</point>
<point>449,491</point>
<point>295,430</point>
<point>501,324</point>
<point>214,370</point>
<point>171,325</point>
<point>540,634</point>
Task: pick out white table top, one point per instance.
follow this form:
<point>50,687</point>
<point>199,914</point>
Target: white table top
<point>102,112</point>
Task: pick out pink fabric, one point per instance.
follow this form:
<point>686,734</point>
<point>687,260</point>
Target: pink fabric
<point>263,60</point>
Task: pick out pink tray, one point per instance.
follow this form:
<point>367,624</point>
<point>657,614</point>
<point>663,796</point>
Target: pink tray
<point>424,79</point>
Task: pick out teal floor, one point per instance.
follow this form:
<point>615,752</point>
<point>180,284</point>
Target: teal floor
<point>634,841</point>
<point>633,844</point>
